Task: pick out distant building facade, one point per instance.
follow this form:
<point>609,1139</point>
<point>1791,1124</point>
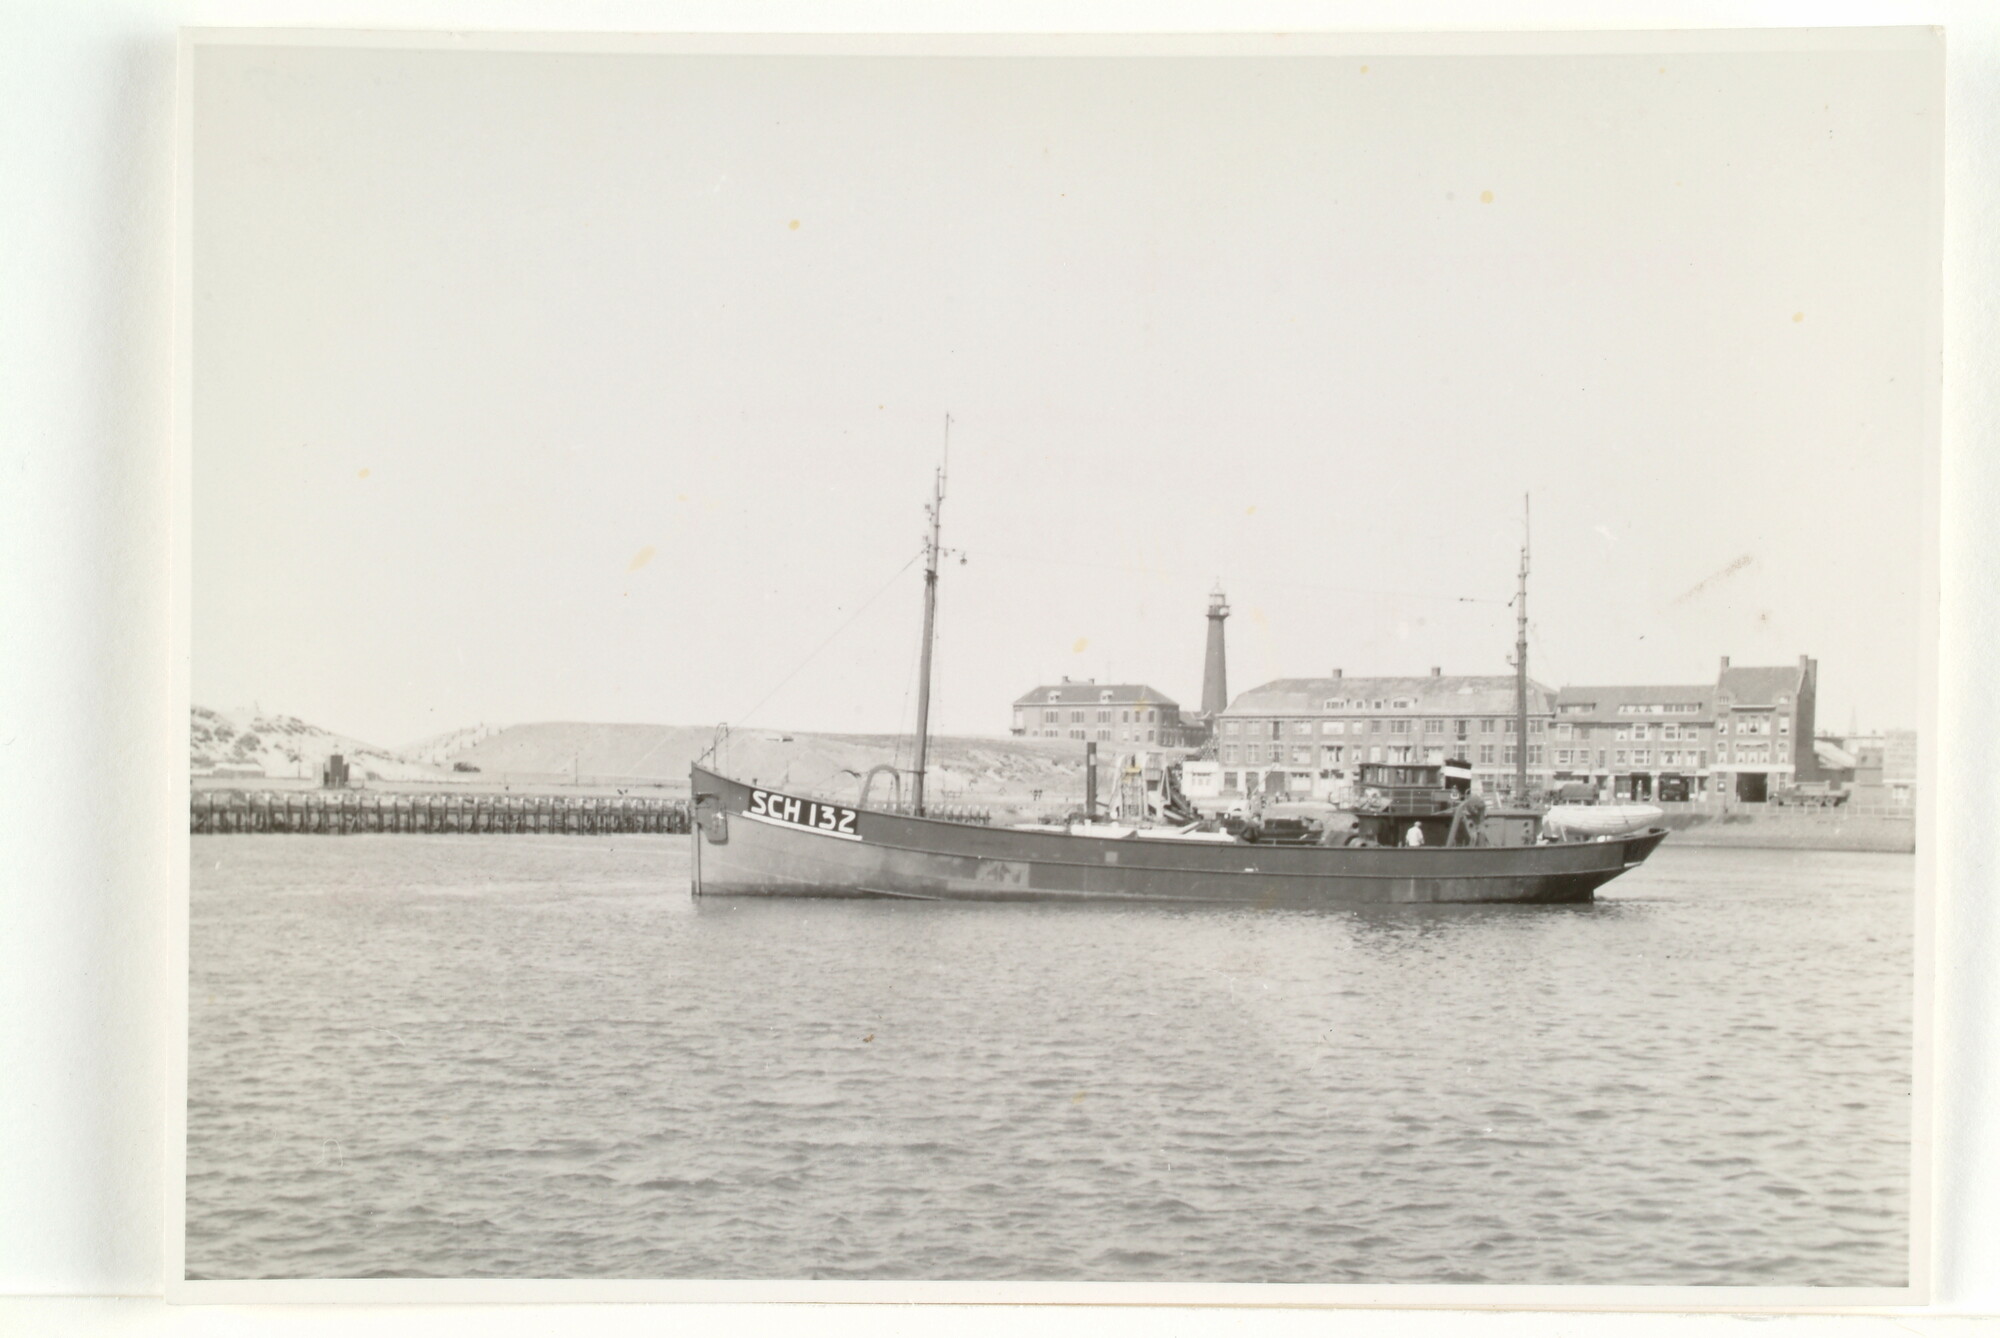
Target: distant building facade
<point>1636,742</point>
<point>1304,737</point>
<point>1741,737</point>
<point>1764,728</point>
<point>1085,710</point>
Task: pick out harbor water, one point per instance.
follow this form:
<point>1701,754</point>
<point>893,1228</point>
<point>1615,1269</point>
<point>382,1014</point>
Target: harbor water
<point>508,1056</point>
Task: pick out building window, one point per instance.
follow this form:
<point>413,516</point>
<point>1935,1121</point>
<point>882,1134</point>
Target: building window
<point>1104,736</point>
<point>1784,752</point>
<point>1600,757</point>
<point>1332,755</point>
<point>1229,756</point>
<point>1152,713</point>
<point>1434,726</point>
<point>1232,727</point>
<point>1507,755</point>
<point>1535,726</point>
<point>1302,757</point>
<point>1228,780</point>
<point>1461,728</point>
<point>1374,754</point>
<point>1077,733</point>
<point>1784,724</point>
<point>1104,718</point>
<point>1534,754</point>
<point>1399,727</point>
<point>1303,727</point>
<point>1378,704</point>
<point>1623,757</point>
<point>1400,753</point>
<point>1055,696</point>
<point>1401,703</point>
<point>1486,725</point>
<point>1486,754</point>
<point>1722,727</point>
<point>1334,727</point>
<point>1374,727</point>
<point>1076,717</point>
<point>1642,757</point>
<point>1512,725</point>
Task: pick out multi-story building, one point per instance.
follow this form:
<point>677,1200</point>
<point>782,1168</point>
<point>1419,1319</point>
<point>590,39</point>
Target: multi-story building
<point>1305,737</point>
<point>1635,743</point>
<point>1737,738</point>
<point>1128,713</point>
<point>1764,728</point>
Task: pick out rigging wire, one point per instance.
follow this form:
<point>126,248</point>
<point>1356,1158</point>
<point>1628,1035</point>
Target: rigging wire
<point>814,652</point>
<point>1147,570</point>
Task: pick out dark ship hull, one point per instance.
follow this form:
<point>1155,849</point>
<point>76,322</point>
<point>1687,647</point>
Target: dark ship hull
<point>754,842</point>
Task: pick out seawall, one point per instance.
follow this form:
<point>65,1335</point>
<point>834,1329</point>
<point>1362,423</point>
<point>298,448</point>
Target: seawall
<point>1824,830</point>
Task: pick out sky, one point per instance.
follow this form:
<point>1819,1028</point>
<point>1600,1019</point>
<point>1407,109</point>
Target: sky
<point>611,387</point>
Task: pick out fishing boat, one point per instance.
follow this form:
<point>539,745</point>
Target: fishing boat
<point>1417,839</point>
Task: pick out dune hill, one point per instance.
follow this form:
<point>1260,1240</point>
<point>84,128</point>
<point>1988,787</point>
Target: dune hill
<point>825,763</point>
<point>250,743</point>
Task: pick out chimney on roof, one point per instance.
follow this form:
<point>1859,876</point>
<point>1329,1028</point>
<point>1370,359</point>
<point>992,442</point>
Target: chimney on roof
<point>1725,664</point>
<point>1336,673</point>
<point>1804,663</point>
<point>1065,678</point>
<point>1437,671</point>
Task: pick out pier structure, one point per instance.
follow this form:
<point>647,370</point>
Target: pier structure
<point>340,813</point>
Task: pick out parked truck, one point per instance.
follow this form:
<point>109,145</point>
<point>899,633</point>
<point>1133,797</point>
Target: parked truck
<point>1809,794</point>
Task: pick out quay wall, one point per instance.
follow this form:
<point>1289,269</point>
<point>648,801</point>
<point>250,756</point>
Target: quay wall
<point>1828,829</point>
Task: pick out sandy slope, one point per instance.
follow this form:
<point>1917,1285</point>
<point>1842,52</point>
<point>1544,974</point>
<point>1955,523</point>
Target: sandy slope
<point>827,763</point>
<point>283,746</point>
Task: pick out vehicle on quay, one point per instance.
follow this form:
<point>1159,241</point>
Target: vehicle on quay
<point>1808,794</point>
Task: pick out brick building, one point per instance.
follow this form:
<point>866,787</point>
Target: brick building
<point>1115,713</point>
<point>1764,728</point>
<point>1304,737</point>
<point>1737,738</point>
<point>1636,742</point>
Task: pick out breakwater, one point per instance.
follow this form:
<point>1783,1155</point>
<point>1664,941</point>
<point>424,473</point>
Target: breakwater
<point>344,812</point>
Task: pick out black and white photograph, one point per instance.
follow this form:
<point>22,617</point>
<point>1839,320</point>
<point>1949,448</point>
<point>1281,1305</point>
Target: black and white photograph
<point>1210,668</point>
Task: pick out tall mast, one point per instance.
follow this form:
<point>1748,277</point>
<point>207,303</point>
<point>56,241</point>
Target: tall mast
<point>930,626</point>
<point>1521,668</point>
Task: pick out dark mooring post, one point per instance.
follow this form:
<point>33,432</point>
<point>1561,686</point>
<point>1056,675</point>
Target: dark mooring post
<point>1090,781</point>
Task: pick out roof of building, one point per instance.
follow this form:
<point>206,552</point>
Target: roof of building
<point>1087,693</point>
<point>1435,694</point>
<point>1750,685</point>
<point>1605,700</point>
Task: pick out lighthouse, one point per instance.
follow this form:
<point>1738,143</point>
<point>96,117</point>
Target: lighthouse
<point>1215,668</point>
